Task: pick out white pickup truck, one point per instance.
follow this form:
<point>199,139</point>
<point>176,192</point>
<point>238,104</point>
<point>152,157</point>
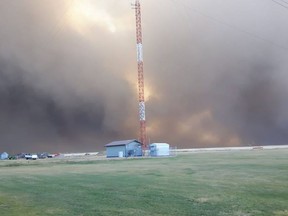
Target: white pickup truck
<point>31,156</point>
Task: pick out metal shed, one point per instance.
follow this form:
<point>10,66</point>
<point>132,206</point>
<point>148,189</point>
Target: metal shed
<point>4,156</point>
<point>124,148</point>
<point>159,149</point>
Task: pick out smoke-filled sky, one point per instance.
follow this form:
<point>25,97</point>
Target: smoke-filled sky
<point>215,73</point>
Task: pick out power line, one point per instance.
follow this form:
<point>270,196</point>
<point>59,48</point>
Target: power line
<point>282,5</point>
<point>284,1</point>
<point>243,31</point>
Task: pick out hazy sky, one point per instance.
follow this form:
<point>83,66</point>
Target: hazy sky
<point>215,73</point>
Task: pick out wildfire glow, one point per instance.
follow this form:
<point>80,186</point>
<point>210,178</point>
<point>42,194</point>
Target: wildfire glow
<point>148,93</point>
<point>132,80</point>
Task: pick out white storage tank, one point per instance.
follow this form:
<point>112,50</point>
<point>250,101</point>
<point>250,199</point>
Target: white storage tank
<point>159,149</point>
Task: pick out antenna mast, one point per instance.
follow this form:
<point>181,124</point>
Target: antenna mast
<point>141,97</point>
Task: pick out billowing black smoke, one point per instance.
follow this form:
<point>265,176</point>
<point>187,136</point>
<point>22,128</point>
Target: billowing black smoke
<point>31,116</point>
<point>255,110</point>
<point>68,79</point>
<point>260,108</point>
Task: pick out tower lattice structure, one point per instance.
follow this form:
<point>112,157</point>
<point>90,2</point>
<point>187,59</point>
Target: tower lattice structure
<point>141,96</point>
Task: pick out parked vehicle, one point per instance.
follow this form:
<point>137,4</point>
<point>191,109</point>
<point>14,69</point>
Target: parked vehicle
<point>31,156</point>
<point>20,155</point>
<point>42,155</point>
<point>12,157</point>
<point>53,155</point>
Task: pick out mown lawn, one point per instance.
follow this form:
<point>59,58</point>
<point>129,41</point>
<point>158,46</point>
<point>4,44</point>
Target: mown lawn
<point>215,183</point>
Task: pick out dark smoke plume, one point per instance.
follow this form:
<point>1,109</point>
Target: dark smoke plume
<point>215,73</point>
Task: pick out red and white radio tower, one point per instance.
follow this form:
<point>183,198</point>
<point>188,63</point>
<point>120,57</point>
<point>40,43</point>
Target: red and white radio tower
<point>142,117</point>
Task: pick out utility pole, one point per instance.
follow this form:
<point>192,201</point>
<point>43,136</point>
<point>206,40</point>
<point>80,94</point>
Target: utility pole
<point>141,97</point>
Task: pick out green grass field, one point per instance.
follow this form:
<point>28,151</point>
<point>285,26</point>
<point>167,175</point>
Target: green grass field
<point>213,183</point>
